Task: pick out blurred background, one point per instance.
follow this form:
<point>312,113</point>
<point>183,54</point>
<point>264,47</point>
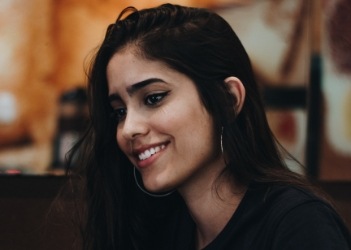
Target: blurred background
<point>300,51</point>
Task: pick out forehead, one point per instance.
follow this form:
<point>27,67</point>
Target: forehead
<point>127,68</point>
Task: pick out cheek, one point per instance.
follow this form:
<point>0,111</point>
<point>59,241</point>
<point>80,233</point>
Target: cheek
<point>191,122</point>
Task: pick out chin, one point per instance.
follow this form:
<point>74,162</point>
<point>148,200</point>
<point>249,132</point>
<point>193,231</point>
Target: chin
<point>158,187</point>
<point>156,190</point>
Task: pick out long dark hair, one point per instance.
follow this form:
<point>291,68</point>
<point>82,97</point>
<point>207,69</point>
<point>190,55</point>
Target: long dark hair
<point>203,46</point>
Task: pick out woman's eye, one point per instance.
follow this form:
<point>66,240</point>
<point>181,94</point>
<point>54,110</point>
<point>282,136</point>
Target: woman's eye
<point>155,98</point>
<point>119,114</point>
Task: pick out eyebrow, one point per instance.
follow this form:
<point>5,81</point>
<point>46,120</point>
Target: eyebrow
<point>135,87</point>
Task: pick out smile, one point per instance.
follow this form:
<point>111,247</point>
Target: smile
<point>149,152</point>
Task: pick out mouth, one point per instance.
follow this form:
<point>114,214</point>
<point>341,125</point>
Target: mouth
<point>146,154</point>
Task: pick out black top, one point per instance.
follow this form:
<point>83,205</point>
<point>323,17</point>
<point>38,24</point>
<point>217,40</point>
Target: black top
<point>268,218</point>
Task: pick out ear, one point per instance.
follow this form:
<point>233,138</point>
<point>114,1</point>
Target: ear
<point>236,88</point>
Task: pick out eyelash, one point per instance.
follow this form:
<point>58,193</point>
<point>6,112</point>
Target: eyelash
<point>159,97</point>
<point>150,100</point>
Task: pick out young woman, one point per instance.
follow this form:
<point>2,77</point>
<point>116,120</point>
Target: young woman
<point>179,154</point>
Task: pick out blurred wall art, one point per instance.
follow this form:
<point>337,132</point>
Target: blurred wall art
<point>335,161</point>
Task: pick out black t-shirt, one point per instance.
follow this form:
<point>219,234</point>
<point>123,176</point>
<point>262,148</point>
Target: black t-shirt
<point>268,218</point>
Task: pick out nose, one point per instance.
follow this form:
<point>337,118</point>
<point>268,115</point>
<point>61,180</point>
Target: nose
<point>134,125</point>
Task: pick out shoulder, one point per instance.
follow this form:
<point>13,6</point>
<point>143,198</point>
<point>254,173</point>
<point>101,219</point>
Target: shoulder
<point>301,220</point>
<point>280,199</point>
<point>295,195</point>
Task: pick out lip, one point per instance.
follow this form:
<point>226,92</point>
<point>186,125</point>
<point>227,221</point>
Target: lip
<point>147,162</point>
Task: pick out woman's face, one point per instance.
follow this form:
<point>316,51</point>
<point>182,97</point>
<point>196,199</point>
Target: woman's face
<point>163,127</point>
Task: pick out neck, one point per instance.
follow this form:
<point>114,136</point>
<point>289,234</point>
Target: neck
<point>211,206</point>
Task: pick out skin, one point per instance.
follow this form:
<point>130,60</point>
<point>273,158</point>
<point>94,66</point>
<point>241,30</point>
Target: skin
<point>160,108</point>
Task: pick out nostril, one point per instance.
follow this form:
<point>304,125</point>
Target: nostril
<point>135,135</point>
<point>8,108</point>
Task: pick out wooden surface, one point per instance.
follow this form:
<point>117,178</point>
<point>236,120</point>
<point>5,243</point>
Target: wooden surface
<point>26,219</point>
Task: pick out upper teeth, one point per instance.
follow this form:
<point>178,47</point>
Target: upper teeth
<point>151,151</point>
